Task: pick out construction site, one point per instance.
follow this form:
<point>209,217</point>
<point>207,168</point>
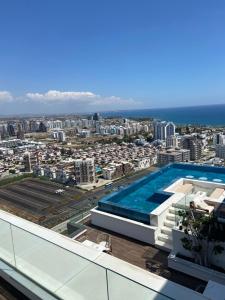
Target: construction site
<point>44,202</point>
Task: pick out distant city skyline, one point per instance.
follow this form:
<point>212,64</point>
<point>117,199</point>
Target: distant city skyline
<point>85,56</point>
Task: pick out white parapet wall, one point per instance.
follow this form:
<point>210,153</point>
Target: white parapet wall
<point>192,269</point>
<point>130,228</point>
<point>157,216</point>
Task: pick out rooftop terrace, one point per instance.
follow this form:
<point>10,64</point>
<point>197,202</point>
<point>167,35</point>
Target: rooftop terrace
<point>140,254</point>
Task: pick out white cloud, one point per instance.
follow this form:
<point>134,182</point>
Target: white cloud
<point>5,96</point>
<point>116,101</point>
<point>59,100</point>
<point>57,96</point>
<point>87,98</point>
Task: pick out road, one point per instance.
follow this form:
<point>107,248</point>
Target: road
<point>90,199</point>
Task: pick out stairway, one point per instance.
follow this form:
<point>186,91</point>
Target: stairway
<point>164,239</point>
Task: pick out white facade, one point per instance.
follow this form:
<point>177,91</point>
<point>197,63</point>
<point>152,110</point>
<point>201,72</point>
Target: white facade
<point>219,139</point>
<point>85,133</point>
<point>220,151</point>
<point>163,129</point>
<point>84,170</point>
<point>142,163</point>
<point>108,173</point>
<point>62,136</point>
<point>59,135</point>
<point>171,141</point>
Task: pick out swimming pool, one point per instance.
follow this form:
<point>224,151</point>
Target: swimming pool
<point>139,199</point>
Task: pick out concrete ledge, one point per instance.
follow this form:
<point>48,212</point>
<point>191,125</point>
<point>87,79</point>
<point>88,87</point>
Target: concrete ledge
<point>195,270</point>
<point>27,287</point>
<point>130,228</point>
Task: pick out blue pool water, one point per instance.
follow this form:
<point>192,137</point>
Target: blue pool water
<point>139,199</point>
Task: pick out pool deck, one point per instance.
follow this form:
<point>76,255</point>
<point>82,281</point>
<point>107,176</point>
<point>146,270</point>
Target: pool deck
<point>142,255</point>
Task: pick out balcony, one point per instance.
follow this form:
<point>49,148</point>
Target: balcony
<point>66,269</point>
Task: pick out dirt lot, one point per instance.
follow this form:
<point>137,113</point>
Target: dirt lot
<point>36,200</point>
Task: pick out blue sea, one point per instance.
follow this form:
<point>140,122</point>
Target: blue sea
<point>199,115</point>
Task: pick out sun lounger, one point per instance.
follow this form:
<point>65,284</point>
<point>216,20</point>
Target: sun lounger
<point>217,193</point>
<point>202,205</point>
<point>185,189</point>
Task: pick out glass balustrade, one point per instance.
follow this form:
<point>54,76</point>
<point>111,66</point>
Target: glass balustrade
<point>63,273</point>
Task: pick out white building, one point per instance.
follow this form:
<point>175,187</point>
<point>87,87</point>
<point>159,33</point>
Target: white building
<point>61,175</point>
<point>172,155</point>
<point>171,141</point>
<point>108,173</point>
<point>163,129</point>
<point>220,151</point>
<point>61,136</point>
<point>142,163</point>
<point>219,139</point>
<point>85,133</point>
<point>84,170</point>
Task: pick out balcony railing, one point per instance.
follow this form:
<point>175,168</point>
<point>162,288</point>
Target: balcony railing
<point>49,259</point>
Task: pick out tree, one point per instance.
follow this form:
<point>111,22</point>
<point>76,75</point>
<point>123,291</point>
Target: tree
<point>203,235</point>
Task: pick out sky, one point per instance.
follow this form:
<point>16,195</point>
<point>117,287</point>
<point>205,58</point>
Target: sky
<point>71,56</point>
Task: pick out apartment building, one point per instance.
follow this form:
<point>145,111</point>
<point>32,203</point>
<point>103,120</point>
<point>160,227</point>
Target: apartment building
<point>84,170</point>
<point>116,170</point>
<point>163,129</point>
<point>220,151</point>
<point>172,155</point>
<point>193,144</point>
<point>142,163</point>
<point>171,141</point>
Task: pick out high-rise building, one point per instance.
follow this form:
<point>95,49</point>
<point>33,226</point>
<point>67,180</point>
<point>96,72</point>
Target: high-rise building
<point>25,126</point>
<point>57,124</point>
<point>84,170</point>
<point>11,129</point>
<point>96,117</point>
<point>42,127</point>
<point>171,141</point>
<point>20,132</point>
<point>163,130</point>
<point>61,136</point>
<point>29,161</point>
<point>220,151</point>
<point>219,139</point>
<point>3,131</point>
<point>194,145</point>
<point>34,125</point>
